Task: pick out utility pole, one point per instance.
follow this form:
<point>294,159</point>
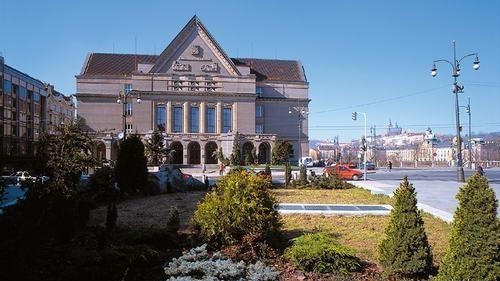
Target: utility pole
<point>355,117</point>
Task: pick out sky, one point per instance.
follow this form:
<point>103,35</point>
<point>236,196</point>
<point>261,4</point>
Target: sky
<point>365,56</point>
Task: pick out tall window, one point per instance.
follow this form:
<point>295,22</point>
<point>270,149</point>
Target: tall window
<point>259,111</point>
<point>130,128</point>
<point>195,120</point>
<point>128,109</point>
<point>127,88</point>
<point>259,128</point>
<point>160,118</point>
<point>22,93</point>
<point>227,122</point>
<point>177,122</point>
<point>7,86</point>
<point>211,120</point>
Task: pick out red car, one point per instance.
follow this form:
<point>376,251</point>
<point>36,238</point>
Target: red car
<point>344,172</point>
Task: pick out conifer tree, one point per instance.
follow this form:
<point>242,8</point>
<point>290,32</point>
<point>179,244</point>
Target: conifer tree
<point>155,148</point>
<point>405,251</point>
<point>236,155</point>
<point>131,166</point>
<point>473,251</point>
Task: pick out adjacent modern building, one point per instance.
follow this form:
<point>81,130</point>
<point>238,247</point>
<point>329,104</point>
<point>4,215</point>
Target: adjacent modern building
<point>197,96</point>
<point>22,114</point>
<point>26,104</point>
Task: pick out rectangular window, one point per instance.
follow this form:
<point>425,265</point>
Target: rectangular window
<point>130,128</point>
<point>160,118</point>
<point>36,97</point>
<point>7,86</point>
<point>195,120</point>
<point>128,109</point>
<point>259,128</point>
<point>259,111</point>
<point>259,91</point>
<point>22,93</point>
<point>227,122</point>
<point>211,120</point>
<point>127,88</point>
<point>177,122</point>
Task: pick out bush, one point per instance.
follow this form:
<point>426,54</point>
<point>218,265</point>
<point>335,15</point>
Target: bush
<point>332,181</point>
<point>101,182</point>
<point>405,251</point>
<point>173,220</point>
<point>282,152</point>
<point>288,174</point>
<point>303,175</point>
<point>197,264</point>
<point>473,250</point>
<point>320,253</point>
<point>240,205</point>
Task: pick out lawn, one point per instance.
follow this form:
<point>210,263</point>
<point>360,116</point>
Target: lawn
<point>362,233</point>
<point>330,196</point>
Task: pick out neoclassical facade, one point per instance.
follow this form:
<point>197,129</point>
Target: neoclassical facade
<point>197,96</point>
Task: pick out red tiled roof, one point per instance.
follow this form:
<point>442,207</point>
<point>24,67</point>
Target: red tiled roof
<point>274,70</point>
<point>125,64</point>
<point>115,64</point>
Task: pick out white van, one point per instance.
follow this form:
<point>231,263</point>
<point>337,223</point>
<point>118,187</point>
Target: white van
<point>307,161</point>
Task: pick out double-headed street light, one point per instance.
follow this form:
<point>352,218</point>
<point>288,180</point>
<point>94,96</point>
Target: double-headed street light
<point>123,99</point>
<point>456,89</point>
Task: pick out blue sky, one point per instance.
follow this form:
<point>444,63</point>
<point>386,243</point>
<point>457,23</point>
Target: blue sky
<point>369,56</point>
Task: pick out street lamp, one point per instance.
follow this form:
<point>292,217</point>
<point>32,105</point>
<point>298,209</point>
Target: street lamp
<point>456,89</point>
<point>469,146</point>
<point>123,99</point>
<point>355,117</point>
<point>302,112</point>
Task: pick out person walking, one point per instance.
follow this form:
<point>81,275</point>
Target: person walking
<point>390,165</point>
<point>480,170</point>
<point>221,169</point>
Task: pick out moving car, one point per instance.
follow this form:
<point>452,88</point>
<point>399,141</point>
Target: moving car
<point>369,166</point>
<point>344,172</point>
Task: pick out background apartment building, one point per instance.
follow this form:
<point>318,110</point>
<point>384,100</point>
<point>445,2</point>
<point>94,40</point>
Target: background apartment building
<point>198,97</point>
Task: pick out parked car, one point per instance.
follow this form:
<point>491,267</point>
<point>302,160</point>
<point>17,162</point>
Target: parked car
<point>21,177</point>
<point>369,166</point>
<point>344,172</point>
<point>307,161</point>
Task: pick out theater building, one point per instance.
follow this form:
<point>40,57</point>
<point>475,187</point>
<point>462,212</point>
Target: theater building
<point>197,96</point>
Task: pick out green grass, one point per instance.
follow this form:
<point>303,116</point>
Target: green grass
<point>330,196</point>
<point>364,233</point>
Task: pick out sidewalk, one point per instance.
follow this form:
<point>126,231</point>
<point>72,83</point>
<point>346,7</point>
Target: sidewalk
<point>434,197</point>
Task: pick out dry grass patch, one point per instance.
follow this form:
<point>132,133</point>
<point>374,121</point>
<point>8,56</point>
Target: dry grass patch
<point>151,211</point>
<point>330,196</point>
<point>363,233</point>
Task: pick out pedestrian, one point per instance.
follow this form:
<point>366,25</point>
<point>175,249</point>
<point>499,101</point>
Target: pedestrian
<point>221,169</point>
<point>480,170</point>
<point>203,168</point>
<point>390,166</point>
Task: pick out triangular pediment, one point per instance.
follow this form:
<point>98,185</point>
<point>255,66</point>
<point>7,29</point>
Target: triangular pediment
<point>195,51</point>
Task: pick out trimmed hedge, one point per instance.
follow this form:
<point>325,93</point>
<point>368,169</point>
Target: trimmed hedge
<point>320,253</point>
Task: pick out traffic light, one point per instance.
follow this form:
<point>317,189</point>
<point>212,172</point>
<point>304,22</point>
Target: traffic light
<point>354,115</point>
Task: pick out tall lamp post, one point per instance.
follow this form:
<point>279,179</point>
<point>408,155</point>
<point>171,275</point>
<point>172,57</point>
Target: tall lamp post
<point>123,99</point>
<point>469,148</point>
<point>456,89</point>
<point>355,117</point>
<point>302,112</point>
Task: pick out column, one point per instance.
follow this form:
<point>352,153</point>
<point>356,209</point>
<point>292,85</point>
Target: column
<point>218,118</point>
<point>234,114</point>
<point>185,112</point>
<point>202,116</point>
<point>169,117</point>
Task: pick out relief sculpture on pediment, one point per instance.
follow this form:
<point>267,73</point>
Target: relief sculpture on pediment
<point>181,66</point>
<point>210,67</point>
